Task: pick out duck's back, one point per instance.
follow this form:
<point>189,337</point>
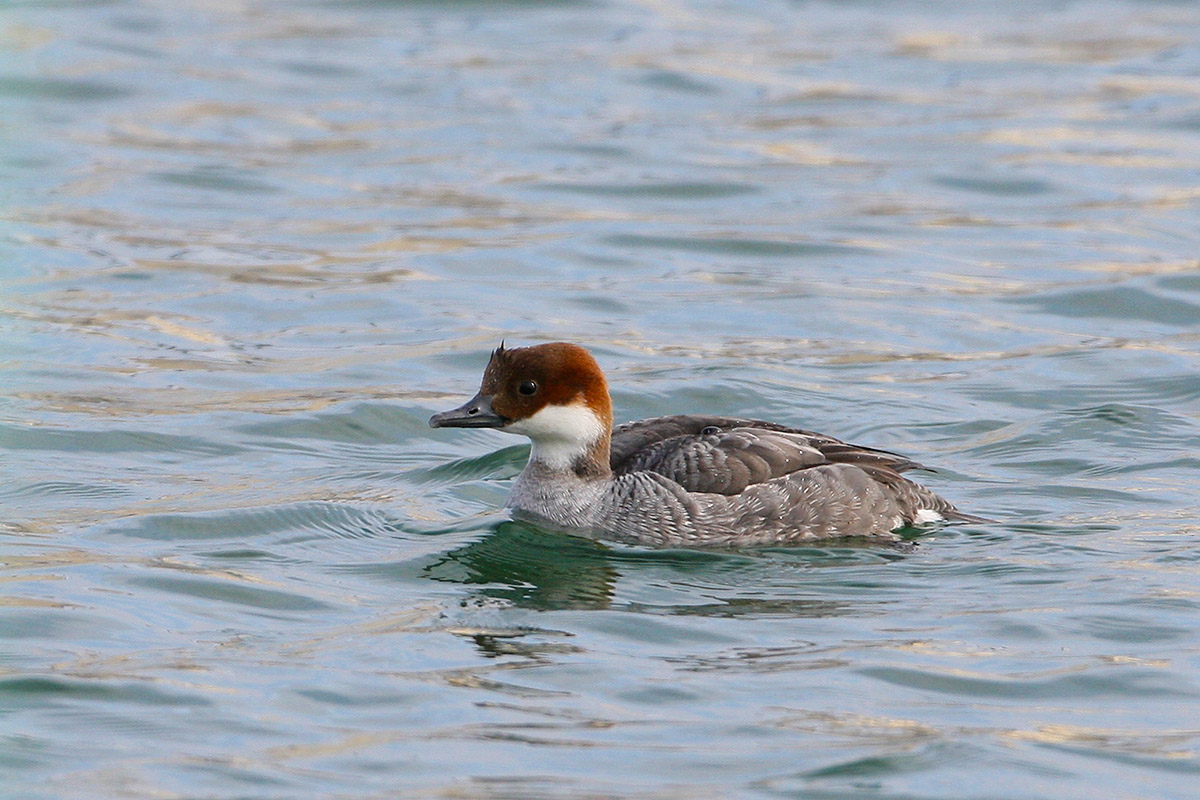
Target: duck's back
<point>772,482</point>
<point>727,454</point>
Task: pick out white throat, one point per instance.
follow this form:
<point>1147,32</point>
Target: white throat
<point>560,434</point>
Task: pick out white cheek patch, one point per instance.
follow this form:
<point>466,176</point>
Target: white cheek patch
<point>560,434</point>
<point>576,423</point>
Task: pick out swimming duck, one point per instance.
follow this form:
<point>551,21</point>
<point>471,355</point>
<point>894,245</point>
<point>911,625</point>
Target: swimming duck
<point>683,480</point>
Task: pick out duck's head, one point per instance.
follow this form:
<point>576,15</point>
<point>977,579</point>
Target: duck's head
<point>553,393</point>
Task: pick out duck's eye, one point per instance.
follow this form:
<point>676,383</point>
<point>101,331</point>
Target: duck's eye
<point>709,430</point>
<point>528,387</point>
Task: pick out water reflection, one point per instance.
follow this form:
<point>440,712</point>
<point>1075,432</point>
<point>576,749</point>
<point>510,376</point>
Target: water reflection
<point>532,568</point>
<point>521,564</point>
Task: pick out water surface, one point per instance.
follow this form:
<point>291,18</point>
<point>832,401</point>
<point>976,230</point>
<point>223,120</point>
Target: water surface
<point>248,248</point>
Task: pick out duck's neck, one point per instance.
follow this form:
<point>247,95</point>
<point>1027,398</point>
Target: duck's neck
<point>564,481</point>
<point>568,470</point>
<point>568,441</point>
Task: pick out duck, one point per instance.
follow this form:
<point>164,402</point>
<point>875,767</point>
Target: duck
<point>685,480</point>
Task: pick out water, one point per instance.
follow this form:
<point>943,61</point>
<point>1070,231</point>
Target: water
<point>249,247</point>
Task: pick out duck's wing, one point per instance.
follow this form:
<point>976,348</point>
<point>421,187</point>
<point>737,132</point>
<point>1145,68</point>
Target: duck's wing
<point>724,455</point>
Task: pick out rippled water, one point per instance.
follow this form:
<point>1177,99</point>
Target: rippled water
<point>248,247</point>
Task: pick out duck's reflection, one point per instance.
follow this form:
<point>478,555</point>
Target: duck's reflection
<point>532,568</point>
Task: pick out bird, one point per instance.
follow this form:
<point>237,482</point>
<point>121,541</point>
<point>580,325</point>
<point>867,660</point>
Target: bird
<point>685,480</point>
